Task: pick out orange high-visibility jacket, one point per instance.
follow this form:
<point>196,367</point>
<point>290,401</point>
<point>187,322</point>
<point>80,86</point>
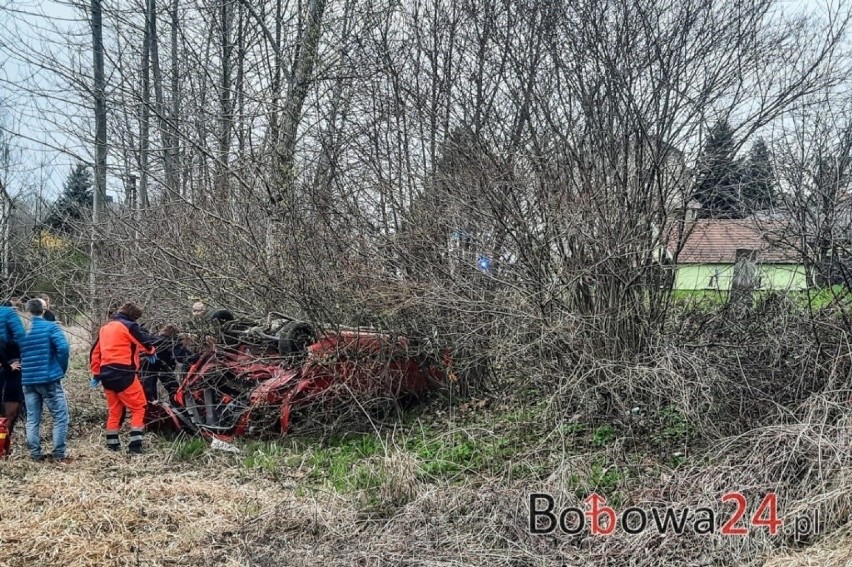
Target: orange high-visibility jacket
<point>114,358</point>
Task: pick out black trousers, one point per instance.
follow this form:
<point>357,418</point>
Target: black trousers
<point>149,383</point>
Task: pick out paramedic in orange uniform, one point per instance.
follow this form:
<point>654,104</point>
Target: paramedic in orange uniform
<point>114,361</point>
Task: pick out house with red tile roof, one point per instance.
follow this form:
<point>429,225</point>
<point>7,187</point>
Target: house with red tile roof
<point>707,251</point>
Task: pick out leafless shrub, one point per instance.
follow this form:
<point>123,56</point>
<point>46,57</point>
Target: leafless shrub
<point>498,179</point>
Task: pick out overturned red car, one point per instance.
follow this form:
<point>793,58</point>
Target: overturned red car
<point>258,375</point>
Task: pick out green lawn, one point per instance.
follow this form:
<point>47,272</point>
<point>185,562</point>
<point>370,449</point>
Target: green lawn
<point>817,298</point>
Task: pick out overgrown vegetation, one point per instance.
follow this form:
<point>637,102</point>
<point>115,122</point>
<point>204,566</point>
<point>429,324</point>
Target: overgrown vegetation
<point>507,182</point>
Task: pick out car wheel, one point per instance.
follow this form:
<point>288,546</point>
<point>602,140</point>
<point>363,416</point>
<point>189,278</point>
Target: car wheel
<point>294,338</point>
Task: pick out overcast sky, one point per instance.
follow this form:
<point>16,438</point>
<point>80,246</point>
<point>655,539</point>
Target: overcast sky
<point>34,101</point>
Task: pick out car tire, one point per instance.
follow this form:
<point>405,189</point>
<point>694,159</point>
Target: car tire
<point>294,338</point>
<point>220,315</point>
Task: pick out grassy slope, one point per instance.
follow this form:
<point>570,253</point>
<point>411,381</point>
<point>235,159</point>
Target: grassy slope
<point>444,487</point>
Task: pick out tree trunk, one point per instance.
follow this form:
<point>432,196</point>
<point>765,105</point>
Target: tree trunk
<point>6,233</point>
<point>145,118</point>
<point>99,194</point>
<point>300,80</point>
<point>745,281</point>
<point>240,90</point>
<point>276,78</point>
<point>331,141</point>
<point>175,111</point>
<point>165,129</point>
<point>225,101</point>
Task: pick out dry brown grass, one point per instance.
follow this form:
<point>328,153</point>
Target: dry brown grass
<point>109,509</point>
<point>836,550</point>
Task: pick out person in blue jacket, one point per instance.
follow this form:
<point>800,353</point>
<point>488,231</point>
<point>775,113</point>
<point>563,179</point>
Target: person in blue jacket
<point>44,361</point>
<point>11,328</point>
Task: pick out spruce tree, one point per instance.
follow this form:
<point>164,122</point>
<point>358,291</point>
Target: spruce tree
<point>719,174</point>
<point>75,203</point>
<point>758,185</point>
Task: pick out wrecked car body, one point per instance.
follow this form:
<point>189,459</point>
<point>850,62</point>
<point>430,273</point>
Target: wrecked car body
<point>258,375</point>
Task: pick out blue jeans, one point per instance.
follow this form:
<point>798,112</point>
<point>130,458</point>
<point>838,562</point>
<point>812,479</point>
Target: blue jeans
<point>51,395</point>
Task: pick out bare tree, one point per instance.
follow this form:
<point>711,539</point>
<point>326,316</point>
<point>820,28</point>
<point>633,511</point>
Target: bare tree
<point>226,102</point>
<point>299,82</point>
<point>7,207</point>
<point>99,92</point>
<point>815,165</point>
<point>145,112</point>
<point>168,141</point>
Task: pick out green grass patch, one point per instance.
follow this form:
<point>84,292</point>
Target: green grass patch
<point>452,456</point>
<point>189,449</point>
<point>475,444</point>
<point>603,478</point>
<point>603,435</point>
<point>354,464</point>
<point>265,456</point>
<point>816,299</point>
<point>573,429</point>
<point>342,463</point>
<point>700,297</point>
<point>672,430</point>
<point>822,298</point>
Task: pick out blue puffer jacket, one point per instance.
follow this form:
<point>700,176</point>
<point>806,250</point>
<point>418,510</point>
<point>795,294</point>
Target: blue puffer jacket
<point>11,328</point>
<point>44,353</point>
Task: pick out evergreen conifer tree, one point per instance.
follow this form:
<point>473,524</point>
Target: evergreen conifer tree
<point>719,175</point>
<point>75,203</point>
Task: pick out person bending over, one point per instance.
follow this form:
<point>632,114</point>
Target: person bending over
<point>115,361</point>
<point>170,352</point>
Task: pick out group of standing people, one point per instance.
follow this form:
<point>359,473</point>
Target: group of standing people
<point>126,360</point>
<point>35,359</point>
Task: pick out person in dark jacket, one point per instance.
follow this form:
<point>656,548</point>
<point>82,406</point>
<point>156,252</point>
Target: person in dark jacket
<point>11,389</point>
<point>44,362</point>
<point>170,353</point>
<point>48,314</point>
<point>115,360</point>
